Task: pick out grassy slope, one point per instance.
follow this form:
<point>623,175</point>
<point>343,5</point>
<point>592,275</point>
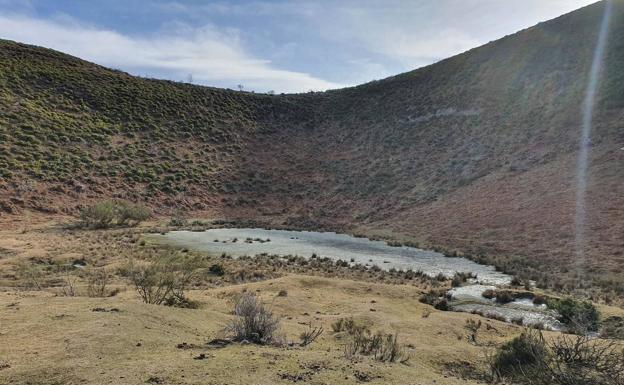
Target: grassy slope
<point>71,344</point>
<point>476,152</point>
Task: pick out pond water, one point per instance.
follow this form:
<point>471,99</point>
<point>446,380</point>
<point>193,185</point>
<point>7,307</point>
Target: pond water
<point>469,299</point>
<point>240,242</point>
<point>331,245</point>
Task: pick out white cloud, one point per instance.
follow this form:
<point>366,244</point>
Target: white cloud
<point>355,40</point>
<point>420,32</point>
<point>210,55</point>
<point>410,32</point>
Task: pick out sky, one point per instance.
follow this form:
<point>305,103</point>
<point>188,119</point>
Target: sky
<point>270,45</point>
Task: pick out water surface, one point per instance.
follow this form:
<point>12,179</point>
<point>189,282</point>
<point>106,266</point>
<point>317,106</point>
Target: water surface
<point>331,245</point>
<point>468,298</point>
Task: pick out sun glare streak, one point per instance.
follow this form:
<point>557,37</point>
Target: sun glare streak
<point>585,142</point>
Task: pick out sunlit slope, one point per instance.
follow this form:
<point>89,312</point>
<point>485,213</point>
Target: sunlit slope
<point>476,152</point>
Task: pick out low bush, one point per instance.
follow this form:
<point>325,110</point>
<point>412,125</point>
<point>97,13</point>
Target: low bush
<point>580,316</point>
<point>110,213</point>
<point>30,273</point>
<point>178,299</point>
<point>435,298</point>
<point>460,278</point>
<point>178,219</point>
<point>473,327</point>
<point>350,326</point>
<point>69,281</point>
<point>100,215</point>
<point>566,360</point>
<point>613,327</point>
<point>130,214</point>
<point>165,280</point>
<point>97,280</point>
<point>504,296</point>
<point>382,346</point>
<point>254,322</point>
<point>217,269</point>
<point>523,356</point>
<point>310,335</point>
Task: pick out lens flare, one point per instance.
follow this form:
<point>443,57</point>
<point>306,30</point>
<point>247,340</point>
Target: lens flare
<point>583,155</point>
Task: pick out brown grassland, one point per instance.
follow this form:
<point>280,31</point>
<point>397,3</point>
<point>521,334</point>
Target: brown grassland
<point>50,338</point>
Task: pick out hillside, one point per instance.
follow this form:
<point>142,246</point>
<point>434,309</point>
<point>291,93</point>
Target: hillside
<point>475,153</point>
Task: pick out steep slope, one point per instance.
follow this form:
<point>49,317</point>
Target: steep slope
<point>477,152</point>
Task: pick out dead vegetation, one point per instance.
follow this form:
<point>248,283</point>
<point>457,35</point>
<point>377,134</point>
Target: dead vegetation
<point>311,334</point>
<point>382,346</point>
<point>97,281</point>
<point>254,322</point>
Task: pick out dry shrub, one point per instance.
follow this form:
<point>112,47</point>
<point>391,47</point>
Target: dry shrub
<point>254,322</point>
<point>350,326</point>
<point>382,346</point>
<point>97,281</point>
<point>310,335</point>
<point>30,273</point>
<point>473,327</point>
<point>165,280</point>
<point>567,360</point>
<point>69,283</point>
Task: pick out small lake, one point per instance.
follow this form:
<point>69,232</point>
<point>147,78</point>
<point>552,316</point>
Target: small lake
<point>331,245</point>
<point>243,242</point>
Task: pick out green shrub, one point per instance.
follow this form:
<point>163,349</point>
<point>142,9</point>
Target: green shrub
<point>526,353</point>
<point>110,213</point>
<point>504,296</point>
<point>131,214</point>
<point>217,269</point>
<point>435,298</point>
<point>613,327</point>
<point>178,221</point>
<point>100,215</point>
<point>580,316</point>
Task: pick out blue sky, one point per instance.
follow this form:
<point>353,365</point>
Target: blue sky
<point>285,46</point>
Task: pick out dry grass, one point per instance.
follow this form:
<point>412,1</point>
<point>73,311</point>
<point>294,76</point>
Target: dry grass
<point>50,339</point>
